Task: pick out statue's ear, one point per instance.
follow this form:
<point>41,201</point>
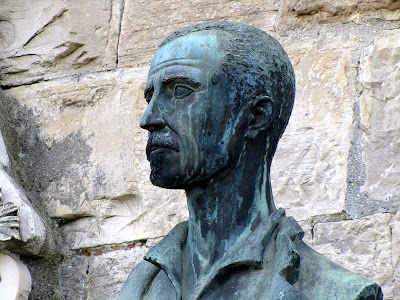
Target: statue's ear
<point>261,111</point>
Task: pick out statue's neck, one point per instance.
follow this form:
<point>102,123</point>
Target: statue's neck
<point>222,210</point>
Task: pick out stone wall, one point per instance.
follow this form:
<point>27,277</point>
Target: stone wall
<point>72,79</point>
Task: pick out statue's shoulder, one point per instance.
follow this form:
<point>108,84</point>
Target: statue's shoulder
<point>321,278</point>
<point>138,281</point>
<point>145,280</point>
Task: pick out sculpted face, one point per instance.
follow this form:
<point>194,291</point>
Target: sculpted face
<point>189,114</point>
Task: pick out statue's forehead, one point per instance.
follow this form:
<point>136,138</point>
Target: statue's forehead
<point>195,49</point>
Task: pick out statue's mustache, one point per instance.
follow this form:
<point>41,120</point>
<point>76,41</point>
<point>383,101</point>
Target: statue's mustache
<point>156,141</point>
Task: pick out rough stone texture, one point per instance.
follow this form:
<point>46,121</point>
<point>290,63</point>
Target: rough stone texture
<point>145,23</point>
<point>42,39</point>
<point>72,78</point>
<point>369,246</point>
<point>306,182</point>
<point>380,120</point>
<point>73,272</point>
<point>99,273</point>
<point>294,14</point>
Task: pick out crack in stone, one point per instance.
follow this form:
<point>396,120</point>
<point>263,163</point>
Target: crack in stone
<point>54,19</point>
<point>122,9</point>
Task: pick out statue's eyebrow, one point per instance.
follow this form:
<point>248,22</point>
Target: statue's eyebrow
<point>181,79</point>
<point>149,88</point>
<point>173,78</point>
<point>194,63</point>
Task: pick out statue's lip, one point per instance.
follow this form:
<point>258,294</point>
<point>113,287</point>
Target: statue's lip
<point>157,141</point>
<point>160,146</point>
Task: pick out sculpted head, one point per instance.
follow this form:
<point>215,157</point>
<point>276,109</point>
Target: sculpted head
<point>214,91</point>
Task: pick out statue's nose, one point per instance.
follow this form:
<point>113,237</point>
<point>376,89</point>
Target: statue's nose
<point>152,119</point>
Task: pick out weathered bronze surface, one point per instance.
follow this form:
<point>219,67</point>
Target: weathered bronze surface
<point>219,98</point>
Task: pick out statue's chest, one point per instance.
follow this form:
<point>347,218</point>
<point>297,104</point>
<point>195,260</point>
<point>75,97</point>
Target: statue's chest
<point>236,283</point>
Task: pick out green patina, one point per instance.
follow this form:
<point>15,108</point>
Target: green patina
<point>219,96</point>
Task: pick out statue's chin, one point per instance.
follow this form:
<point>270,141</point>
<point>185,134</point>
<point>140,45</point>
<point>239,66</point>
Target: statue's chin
<point>167,182</point>
<point>165,171</point>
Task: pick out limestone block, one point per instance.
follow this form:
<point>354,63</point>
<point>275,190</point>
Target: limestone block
<point>296,14</point>
<point>146,23</point>
<point>88,161</point>
<point>99,273</point>
<point>309,171</point>
<point>395,258</point>
<point>380,119</point>
<point>41,39</point>
<point>72,281</point>
<point>119,263</point>
<point>16,280</point>
<point>368,246</point>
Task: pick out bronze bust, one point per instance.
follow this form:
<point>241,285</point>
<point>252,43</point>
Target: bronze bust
<point>219,96</point>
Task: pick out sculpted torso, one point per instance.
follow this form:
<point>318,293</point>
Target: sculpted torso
<point>219,98</point>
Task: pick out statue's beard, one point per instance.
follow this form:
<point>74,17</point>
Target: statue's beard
<point>155,164</point>
<point>164,173</point>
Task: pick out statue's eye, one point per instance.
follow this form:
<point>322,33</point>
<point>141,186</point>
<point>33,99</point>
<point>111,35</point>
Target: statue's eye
<point>182,91</point>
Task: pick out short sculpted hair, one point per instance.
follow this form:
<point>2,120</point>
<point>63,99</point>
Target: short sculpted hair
<point>256,64</point>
